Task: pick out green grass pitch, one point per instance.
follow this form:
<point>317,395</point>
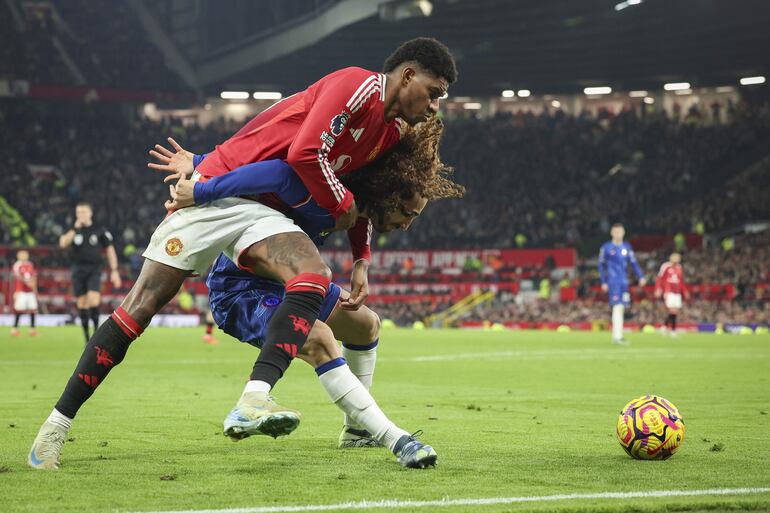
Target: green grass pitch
<point>511,414</point>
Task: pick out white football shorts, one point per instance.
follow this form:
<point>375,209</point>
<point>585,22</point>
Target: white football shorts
<point>191,238</point>
<point>673,301</point>
<point>25,302</point>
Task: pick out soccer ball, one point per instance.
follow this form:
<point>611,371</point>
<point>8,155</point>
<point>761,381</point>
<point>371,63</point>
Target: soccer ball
<point>650,428</point>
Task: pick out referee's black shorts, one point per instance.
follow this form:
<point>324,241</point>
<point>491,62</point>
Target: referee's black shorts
<point>85,279</point>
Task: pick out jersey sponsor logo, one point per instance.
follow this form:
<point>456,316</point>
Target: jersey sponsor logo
<point>174,247</point>
<point>78,240</point>
<point>374,152</point>
<point>356,133</point>
<point>327,139</point>
<point>337,125</point>
<point>624,251</point>
<point>341,162</point>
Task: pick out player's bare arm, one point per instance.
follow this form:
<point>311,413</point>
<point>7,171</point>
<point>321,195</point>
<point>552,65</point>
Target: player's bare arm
<point>112,260</point>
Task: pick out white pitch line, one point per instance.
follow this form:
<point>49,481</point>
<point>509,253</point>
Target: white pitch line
<point>568,354</point>
<point>396,504</point>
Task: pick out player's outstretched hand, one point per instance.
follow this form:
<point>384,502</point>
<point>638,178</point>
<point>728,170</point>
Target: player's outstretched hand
<point>182,194</point>
<point>178,163</point>
<point>642,282</point>
<point>359,287</point>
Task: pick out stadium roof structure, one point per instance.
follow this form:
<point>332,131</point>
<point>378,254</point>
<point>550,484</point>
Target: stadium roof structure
<point>547,46</point>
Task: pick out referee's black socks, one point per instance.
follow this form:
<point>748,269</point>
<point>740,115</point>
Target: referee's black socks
<point>83,314</point>
<point>93,312</point>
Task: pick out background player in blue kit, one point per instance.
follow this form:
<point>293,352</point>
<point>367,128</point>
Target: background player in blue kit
<point>614,257</point>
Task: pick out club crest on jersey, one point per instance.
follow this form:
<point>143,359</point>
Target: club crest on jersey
<point>374,152</point>
<point>174,246</point>
<point>337,126</point>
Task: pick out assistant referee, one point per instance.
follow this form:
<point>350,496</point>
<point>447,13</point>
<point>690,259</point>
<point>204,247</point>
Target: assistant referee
<point>87,240</point>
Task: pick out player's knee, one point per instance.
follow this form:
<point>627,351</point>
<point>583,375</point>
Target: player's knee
<point>321,269</point>
<point>372,326</point>
<point>142,303</point>
<point>321,346</point>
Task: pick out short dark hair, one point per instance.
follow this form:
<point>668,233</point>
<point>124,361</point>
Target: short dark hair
<point>84,204</point>
<point>431,54</point>
<point>617,225</point>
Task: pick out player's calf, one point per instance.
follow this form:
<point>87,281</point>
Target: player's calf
<point>360,331</point>
<point>156,285</point>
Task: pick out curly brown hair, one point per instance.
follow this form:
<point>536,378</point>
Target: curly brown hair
<point>412,166</point>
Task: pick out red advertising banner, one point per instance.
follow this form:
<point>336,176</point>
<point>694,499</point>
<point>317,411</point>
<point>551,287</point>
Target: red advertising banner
<point>644,243</point>
<point>446,259</point>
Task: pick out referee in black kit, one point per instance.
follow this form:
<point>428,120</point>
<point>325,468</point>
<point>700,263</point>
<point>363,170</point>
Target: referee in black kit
<point>87,241</point>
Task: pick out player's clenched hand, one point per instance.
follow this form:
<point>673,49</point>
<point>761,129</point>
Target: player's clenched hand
<point>179,162</point>
<point>605,288</point>
<point>182,194</point>
<point>359,286</point>
<point>642,282</point>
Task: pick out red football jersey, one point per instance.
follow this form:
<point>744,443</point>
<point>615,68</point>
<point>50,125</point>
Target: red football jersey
<point>24,272</point>
<point>670,279</point>
<point>333,127</point>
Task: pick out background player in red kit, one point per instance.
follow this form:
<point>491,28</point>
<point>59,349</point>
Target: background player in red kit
<point>344,120</point>
<point>670,286</point>
<point>24,292</point>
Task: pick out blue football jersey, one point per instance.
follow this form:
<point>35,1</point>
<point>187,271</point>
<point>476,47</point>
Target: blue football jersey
<point>613,263</point>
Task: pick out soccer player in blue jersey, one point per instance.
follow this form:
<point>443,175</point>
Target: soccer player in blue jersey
<point>242,304</point>
<point>614,257</point>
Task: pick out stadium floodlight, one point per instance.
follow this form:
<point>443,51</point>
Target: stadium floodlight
<point>682,92</point>
<point>725,89</point>
<point>267,95</point>
<point>676,86</point>
<point>626,3</point>
<point>649,100</point>
<point>508,93</point>
<point>471,106</point>
<point>234,95</point>
<point>752,80</point>
<point>556,104</point>
<point>637,94</point>
<point>597,90</point>
<point>523,93</point>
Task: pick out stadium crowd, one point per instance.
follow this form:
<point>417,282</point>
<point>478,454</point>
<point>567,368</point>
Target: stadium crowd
<point>559,180</point>
<point>552,174</point>
<point>77,42</point>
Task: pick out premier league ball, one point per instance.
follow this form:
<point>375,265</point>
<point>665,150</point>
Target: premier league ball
<point>650,428</point>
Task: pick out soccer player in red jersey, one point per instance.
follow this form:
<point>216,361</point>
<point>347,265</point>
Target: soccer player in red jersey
<point>337,125</point>
<point>24,292</point>
<point>670,286</point>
